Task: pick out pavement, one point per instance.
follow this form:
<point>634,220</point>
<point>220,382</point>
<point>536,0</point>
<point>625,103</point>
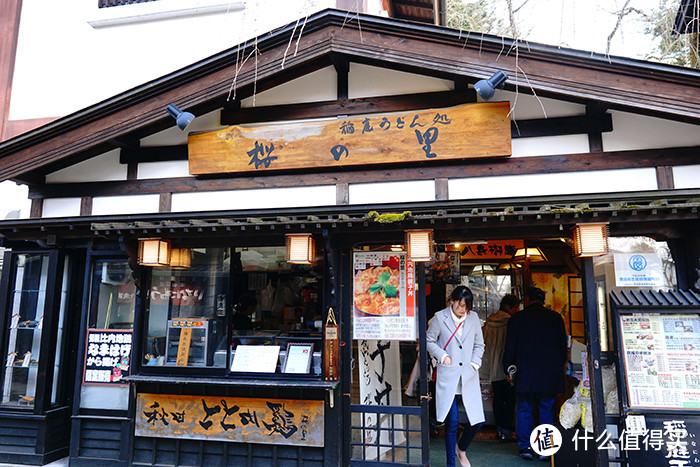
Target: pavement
<point>59,463</point>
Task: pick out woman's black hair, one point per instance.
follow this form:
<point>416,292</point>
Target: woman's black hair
<point>462,292</point>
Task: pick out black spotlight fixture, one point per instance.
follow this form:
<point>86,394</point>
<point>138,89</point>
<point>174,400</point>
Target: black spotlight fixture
<point>486,87</point>
<point>183,119</point>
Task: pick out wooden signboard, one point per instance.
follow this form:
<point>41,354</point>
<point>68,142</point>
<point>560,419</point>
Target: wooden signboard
<point>272,421</point>
<point>462,132</point>
<point>183,348</point>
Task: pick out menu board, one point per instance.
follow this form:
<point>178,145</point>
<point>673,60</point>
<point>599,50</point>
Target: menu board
<point>383,296</point>
<point>662,360</point>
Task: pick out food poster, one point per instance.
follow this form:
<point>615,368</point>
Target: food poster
<point>383,296</point>
<point>662,360</point>
<point>444,268</point>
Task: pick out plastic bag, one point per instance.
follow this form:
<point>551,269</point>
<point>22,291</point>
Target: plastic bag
<point>570,413</point>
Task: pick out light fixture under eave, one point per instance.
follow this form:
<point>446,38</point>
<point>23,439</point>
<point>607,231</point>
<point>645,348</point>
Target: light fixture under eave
<point>301,248</point>
<point>590,239</point>
<point>485,88</point>
<point>183,119</point>
<point>180,258</point>
<point>419,244</point>
<point>531,254</point>
<point>481,270</point>
<point>154,252</point>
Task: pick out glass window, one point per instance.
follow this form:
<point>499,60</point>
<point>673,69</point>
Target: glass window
<point>111,307</point>
<point>187,312</point>
<point>27,300</point>
<point>276,303</point>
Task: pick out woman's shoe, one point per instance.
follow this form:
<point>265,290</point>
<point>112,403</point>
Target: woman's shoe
<point>462,458</point>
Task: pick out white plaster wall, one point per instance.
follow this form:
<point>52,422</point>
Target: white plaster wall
<point>136,204</point>
<point>269,198</point>
<point>170,169</point>
<point>392,192</point>
<point>61,207</point>
<point>550,145</point>
<point>98,169</point>
<point>76,65</point>
<point>370,81</point>
<point>595,181</point>
<point>686,176</point>
<point>321,85</point>
<point>632,131</point>
<point>13,197</point>
<point>526,106</point>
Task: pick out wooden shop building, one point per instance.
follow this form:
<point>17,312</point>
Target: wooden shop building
<point>254,289</point>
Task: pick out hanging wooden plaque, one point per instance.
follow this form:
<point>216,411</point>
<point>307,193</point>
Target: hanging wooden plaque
<point>454,133</point>
<point>331,348</point>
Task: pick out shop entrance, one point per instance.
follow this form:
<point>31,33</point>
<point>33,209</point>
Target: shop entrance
<point>493,269</point>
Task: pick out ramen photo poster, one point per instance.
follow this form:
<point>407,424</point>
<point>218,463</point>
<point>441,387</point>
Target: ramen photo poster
<point>384,305</point>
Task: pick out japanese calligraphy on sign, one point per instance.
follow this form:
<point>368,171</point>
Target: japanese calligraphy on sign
<point>380,384</point>
<point>276,421</point>
<point>662,360</point>
<point>462,132</point>
<point>384,299</point>
<point>107,356</point>
<point>493,249</point>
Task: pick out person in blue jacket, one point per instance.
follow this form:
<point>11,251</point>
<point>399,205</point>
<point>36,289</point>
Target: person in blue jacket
<point>536,351</point>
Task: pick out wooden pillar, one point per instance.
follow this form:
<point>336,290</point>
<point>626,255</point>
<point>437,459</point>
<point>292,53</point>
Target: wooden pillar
<point>592,332</point>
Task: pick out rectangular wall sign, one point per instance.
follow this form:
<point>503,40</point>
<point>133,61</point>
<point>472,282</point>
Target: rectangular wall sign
<point>272,421</point>
<point>462,132</point>
<point>107,356</point>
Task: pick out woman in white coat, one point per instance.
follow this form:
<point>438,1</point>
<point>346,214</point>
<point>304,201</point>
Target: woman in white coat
<point>455,340</point>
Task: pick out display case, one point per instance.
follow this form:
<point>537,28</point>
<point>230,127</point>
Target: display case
<point>189,342</point>
<point>28,296</point>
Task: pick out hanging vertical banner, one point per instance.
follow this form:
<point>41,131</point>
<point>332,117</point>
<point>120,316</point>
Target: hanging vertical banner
<point>380,384</point>
<point>384,301</point>
<point>331,346</point>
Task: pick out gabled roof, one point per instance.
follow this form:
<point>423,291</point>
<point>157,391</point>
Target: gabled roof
<point>336,37</point>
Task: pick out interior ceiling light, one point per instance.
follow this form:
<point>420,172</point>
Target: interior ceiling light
<point>531,254</point>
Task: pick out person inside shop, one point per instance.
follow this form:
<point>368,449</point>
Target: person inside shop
<point>494,332</point>
<point>534,357</point>
<point>454,339</point>
<point>245,307</point>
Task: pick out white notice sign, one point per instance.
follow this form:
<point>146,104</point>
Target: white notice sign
<point>256,358</point>
<point>638,270</point>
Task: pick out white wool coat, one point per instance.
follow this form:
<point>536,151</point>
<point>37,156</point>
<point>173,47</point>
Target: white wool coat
<point>462,351</point>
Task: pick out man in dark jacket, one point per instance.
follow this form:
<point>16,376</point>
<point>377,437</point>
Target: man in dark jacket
<point>536,348</point>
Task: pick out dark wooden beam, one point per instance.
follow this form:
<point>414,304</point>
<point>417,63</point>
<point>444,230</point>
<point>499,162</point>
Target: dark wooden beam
<point>86,206</point>
<point>347,107</point>
<point>561,126</point>
<point>37,208</point>
<point>473,168</point>
<point>165,202</point>
<point>664,177</point>
<point>342,70</point>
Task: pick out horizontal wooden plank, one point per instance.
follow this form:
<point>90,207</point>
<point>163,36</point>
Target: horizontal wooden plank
<point>101,444</point>
<point>103,455</point>
<point>454,133</point>
<point>476,168</point>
